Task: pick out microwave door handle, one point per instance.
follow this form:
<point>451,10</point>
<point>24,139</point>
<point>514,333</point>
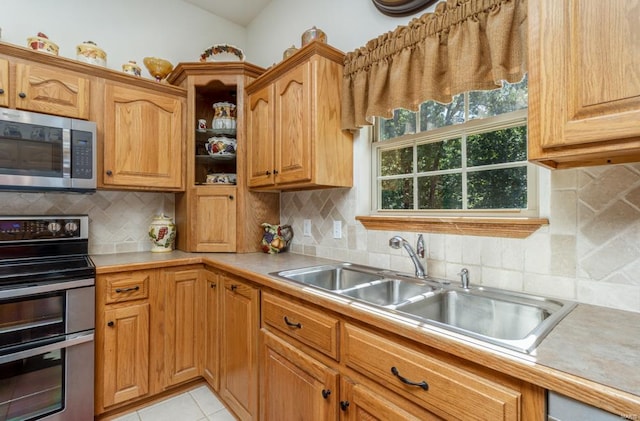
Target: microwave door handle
<point>66,153</point>
<point>70,340</point>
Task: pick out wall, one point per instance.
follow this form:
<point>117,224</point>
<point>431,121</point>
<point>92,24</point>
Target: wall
<point>589,252</point>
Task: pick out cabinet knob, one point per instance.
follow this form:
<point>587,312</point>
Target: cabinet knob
<point>344,405</point>
<point>275,172</point>
<point>1,91</point>
<point>212,285</point>
<point>109,173</point>
<point>111,323</point>
<point>326,393</point>
<point>230,197</point>
<point>22,95</point>
<point>268,172</point>
<point>234,287</point>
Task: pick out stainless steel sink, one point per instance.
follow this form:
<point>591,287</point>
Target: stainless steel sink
<point>510,319</point>
<point>390,292</point>
<point>333,277</point>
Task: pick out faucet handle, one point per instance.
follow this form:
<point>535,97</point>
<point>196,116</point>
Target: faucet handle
<point>464,278</point>
<point>420,246</point>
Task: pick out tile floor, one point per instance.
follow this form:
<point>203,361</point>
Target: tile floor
<point>198,404</point>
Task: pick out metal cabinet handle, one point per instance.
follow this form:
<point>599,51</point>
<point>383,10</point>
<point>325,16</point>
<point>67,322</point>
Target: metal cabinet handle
<point>326,393</point>
<point>344,405</point>
<point>1,91</point>
<point>121,290</point>
<point>22,95</point>
<point>291,324</point>
<point>231,197</point>
<point>267,172</point>
<point>275,172</point>
<point>111,323</point>
<point>234,287</point>
<point>421,384</point>
<point>109,173</point>
<point>212,285</point>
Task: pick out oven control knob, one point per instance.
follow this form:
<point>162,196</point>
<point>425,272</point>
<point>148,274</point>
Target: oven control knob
<point>54,227</point>
<point>71,227</point>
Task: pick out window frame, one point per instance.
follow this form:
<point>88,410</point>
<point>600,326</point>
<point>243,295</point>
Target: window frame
<point>474,126</point>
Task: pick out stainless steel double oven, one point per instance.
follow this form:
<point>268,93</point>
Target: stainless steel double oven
<point>47,319</point>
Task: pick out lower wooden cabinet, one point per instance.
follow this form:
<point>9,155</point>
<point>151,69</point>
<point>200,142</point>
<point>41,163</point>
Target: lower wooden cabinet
<point>240,315</point>
<point>211,360</point>
<point>184,304</point>
<point>293,385</point>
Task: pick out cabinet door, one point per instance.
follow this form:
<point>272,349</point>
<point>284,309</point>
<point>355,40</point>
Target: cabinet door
<point>211,363</point>
<point>359,403</point>
<point>295,386</point>
<point>215,226</point>
<point>260,138</point>
<point>293,125</point>
<point>4,83</point>
<point>51,91</point>
<point>142,139</point>
<point>240,322</point>
<point>126,353</point>
<point>183,309</point>
<point>584,79</point>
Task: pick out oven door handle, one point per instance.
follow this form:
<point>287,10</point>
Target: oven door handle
<point>70,340</point>
<point>23,291</point>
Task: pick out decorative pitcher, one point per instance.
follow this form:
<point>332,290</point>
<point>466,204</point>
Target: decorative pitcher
<point>276,238</point>
<point>162,233</point>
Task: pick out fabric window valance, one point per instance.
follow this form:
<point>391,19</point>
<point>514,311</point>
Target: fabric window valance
<point>463,45</point>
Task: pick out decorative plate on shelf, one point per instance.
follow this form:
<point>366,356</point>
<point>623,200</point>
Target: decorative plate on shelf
<point>222,52</point>
<point>221,178</point>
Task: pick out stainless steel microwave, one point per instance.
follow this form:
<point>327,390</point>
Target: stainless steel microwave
<point>40,152</point>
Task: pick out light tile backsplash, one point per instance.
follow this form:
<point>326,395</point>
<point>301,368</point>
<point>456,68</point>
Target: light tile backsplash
<point>590,252</point>
<point>118,221</point>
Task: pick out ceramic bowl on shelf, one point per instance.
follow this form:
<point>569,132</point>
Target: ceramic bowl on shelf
<point>89,52</point>
<point>158,68</point>
<point>222,52</point>
<point>42,43</point>
<point>221,178</point>
<point>221,147</point>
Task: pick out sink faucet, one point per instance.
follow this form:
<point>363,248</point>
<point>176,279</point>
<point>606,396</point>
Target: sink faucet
<point>396,242</point>
<point>464,278</point>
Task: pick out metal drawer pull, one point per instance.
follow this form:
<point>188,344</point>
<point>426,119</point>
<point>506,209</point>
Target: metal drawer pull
<point>421,384</point>
<point>344,405</point>
<point>212,285</point>
<point>296,325</point>
<point>234,287</point>
<point>326,393</point>
<point>120,290</point>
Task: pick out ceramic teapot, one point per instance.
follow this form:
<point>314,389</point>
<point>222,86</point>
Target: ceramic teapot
<point>276,238</point>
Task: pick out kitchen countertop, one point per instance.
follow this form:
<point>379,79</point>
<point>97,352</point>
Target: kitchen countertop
<point>592,355</point>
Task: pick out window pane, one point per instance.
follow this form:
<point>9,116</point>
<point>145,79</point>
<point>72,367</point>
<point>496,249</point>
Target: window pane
<point>443,155</point>
<point>396,161</point>
<point>403,122</point>
<point>397,194</point>
<point>440,192</point>
<point>434,115</point>
<point>506,145</point>
<point>511,97</point>
<point>498,189</point>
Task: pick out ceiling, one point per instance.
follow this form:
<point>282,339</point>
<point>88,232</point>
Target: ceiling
<point>241,12</point>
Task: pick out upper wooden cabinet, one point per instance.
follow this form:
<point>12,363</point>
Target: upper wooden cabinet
<point>216,217</point>
<point>4,83</point>
<point>142,139</point>
<point>50,90</point>
<point>294,140</point>
<point>584,82</point>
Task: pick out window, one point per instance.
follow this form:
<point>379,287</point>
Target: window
<point>469,156</point>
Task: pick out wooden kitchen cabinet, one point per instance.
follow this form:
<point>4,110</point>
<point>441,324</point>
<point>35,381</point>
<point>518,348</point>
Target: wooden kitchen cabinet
<point>295,386</point>
<point>584,83</point>
<point>211,360</point>
<point>143,138</point>
<point>293,124</point>
<point>122,337</point>
<point>51,90</point>
<point>217,217</point>
<point>239,347</point>
<point>184,324</point>
<point>4,83</point>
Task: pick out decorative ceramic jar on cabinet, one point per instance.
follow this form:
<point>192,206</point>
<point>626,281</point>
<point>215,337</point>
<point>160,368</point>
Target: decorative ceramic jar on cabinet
<point>162,233</point>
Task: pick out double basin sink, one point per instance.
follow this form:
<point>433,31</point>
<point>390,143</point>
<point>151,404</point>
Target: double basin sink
<point>508,319</point>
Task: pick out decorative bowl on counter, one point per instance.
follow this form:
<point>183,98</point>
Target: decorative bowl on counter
<point>42,43</point>
<point>88,52</point>
<point>221,178</point>
<point>221,147</point>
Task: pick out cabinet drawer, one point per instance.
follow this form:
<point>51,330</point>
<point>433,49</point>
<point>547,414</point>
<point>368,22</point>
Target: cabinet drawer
<point>437,385</point>
<point>309,326</point>
<point>127,286</point>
